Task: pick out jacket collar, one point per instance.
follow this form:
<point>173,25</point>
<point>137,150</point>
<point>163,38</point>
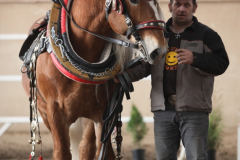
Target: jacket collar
<point>192,27</point>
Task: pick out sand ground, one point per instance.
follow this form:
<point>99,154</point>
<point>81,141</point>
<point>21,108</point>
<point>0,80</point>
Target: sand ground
<point>14,145</point>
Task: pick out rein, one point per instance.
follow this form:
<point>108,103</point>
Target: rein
<point>112,114</point>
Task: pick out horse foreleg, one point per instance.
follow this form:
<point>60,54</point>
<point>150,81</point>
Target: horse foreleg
<point>60,131</point>
<point>87,146</point>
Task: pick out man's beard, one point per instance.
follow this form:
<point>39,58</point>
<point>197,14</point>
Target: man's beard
<point>182,22</point>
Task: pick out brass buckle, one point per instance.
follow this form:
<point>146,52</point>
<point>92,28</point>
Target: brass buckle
<point>172,99</point>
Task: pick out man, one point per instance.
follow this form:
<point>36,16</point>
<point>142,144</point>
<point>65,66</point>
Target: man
<point>182,83</point>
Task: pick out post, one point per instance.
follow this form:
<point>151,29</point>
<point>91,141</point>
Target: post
<point>238,143</point>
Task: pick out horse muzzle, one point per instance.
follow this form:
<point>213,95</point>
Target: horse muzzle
<point>156,55</point>
<point>152,58</point>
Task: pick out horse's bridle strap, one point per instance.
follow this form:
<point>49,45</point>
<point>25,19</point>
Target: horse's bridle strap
<point>152,24</point>
<point>129,22</point>
<point>158,24</point>
<point>116,41</point>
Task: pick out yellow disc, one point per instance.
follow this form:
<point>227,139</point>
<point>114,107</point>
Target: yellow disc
<point>171,58</point>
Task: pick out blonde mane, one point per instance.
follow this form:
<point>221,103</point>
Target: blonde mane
<point>124,54</point>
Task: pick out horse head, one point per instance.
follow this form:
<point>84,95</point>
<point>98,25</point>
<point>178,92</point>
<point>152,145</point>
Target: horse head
<point>142,23</point>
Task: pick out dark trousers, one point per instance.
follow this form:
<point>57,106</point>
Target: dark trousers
<point>171,126</point>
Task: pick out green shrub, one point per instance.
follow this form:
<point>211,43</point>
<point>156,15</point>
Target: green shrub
<point>214,130</point>
<point>136,126</point>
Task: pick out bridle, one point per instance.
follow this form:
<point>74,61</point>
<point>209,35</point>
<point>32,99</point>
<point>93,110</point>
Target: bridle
<point>132,30</point>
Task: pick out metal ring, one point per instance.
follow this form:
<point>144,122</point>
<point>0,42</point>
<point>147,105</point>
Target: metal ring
<point>60,42</point>
<point>32,154</point>
<point>21,69</point>
<point>129,22</point>
<point>108,71</point>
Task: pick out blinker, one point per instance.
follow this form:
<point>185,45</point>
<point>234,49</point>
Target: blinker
<point>117,6</point>
<point>134,1</point>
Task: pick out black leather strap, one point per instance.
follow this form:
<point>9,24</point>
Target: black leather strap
<point>124,85</point>
<point>116,41</point>
<point>113,106</point>
<point>129,22</point>
<point>150,24</point>
<point>56,1</point>
<point>32,36</point>
<point>128,81</point>
<point>81,63</point>
<point>110,116</point>
<point>108,127</point>
<point>133,62</point>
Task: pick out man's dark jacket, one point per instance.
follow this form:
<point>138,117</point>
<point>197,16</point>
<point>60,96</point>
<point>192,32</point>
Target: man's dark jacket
<point>194,82</point>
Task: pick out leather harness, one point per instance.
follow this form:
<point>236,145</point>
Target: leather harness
<point>73,66</point>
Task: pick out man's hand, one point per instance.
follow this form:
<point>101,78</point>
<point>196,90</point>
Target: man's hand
<point>184,56</point>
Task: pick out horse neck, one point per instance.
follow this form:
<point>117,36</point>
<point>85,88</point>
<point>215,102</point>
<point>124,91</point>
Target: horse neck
<point>89,15</point>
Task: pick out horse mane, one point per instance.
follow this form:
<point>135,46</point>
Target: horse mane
<point>124,54</point>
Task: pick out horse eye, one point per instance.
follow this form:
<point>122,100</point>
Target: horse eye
<point>134,1</point>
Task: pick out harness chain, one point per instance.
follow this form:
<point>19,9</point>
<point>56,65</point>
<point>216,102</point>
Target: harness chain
<point>119,138</point>
<point>34,123</point>
<point>59,42</point>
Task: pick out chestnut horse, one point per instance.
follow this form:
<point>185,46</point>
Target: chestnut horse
<point>61,100</point>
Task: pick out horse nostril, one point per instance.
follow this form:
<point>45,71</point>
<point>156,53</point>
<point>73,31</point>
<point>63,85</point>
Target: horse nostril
<point>154,54</point>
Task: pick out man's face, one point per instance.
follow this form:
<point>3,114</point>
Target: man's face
<point>182,11</point>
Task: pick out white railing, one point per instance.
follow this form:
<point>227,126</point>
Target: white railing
<point>13,36</point>
<point>8,121</point>
<point>10,78</point>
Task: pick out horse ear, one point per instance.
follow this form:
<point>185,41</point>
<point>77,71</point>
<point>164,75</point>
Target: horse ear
<point>117,6</point>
